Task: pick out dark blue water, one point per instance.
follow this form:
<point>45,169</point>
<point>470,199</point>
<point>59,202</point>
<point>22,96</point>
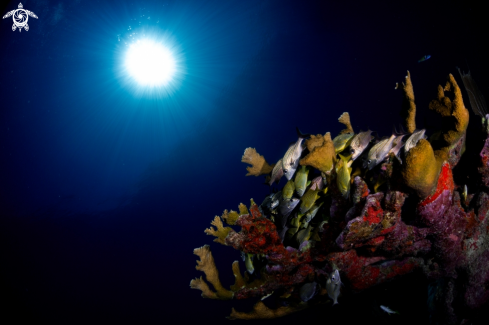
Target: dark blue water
<point>106,187</point>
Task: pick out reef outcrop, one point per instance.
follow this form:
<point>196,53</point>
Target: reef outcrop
<point>293,244</point>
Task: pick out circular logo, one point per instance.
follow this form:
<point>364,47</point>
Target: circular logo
<point>20,17</point>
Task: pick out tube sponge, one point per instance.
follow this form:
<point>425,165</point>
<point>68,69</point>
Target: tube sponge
<point>455,117</point>
<point>421,170</point>
<point>408,110</point>
<point>321,157</point>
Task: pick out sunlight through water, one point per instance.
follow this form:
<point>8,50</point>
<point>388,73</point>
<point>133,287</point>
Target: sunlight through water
<point>150,63</point>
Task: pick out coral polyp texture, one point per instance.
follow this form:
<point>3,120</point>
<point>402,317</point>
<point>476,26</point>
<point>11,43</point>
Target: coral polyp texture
<point>336,217</point>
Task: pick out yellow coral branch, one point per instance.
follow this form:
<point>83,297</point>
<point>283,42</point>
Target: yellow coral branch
<point>408,110</point>
<point>243,209</point>
<point>260,311</point>
<point>220,232</point>
<point>345,119</point>
<point>239,280</point>
<point>230,217</point>
<point>208,266</point>
<point>259,165</point>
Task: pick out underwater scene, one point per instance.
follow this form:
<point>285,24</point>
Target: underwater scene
<point>258,161</point>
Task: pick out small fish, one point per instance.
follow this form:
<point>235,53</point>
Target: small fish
<point>265,297</point>
<point>413,139</point>
<point>304,234</point>
<point>277,173</point>
<point>282,232</point>
<point>291,232</point>
<point>378,152</point>
<point>301,180</point>
<point>308,291</point>
<point>343,176</point>
<point>275,200</point>
<point>464,194</point>
<point>296,221</point>
<point>333,285</point>
<point>308,199</point>
<point>397,148</point>
<point>249,263</point>
<point>317,183</point>
<point>311,214</point>
<point>342,141</point>
<point>359,143</point>
<point>288,190</point>
<point>290,162</point>
<point>424,58</point>
<point>388,310</point>
<point>286,208</point>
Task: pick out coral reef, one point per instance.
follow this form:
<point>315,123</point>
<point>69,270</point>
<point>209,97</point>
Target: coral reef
<point>259,165</point>
<point>355,222</point>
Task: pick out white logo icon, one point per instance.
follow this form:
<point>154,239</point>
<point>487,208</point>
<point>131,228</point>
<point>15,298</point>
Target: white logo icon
<point>20,17</point>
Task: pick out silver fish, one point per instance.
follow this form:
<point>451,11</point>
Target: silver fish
<point>317,183</point>
<point>378,152</point>
<point>388,310</point>
<point>333,285</point>
<point>277,173</point>
<point>271,201</point>
<point>413,139</point>
<point>359,143</point>
<point>397,148</point>
<point>286,208</point>
<point>290,162</point>
<point>281,233</point>
<point>308,291</point>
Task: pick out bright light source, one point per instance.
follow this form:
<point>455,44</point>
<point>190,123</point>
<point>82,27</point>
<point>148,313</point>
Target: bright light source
<point>150,63</point>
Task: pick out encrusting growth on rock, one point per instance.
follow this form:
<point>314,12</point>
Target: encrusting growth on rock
<point>259,165</point>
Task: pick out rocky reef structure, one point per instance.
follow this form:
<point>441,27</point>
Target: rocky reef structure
<point>371,224</point>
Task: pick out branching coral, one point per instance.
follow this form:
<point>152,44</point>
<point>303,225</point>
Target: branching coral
<point>259,165</point>
<point>345,119</point>
<point>207,265</point>
<point>260,311</point>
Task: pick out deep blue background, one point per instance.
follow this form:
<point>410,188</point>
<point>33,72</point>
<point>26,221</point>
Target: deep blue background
<point>105,189</point>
